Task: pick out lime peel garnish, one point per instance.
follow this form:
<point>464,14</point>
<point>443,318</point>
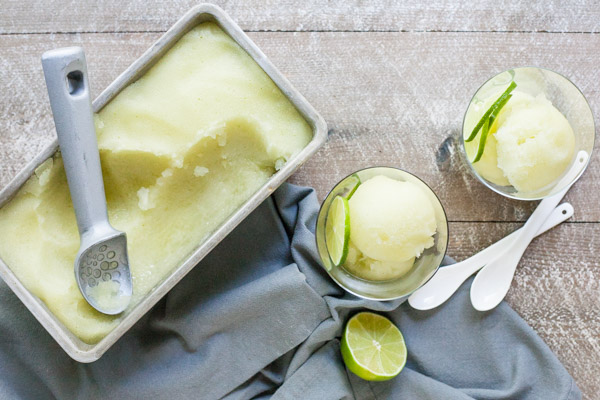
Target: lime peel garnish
<point>482,140</point>
<point>498,104</point>
<point>357,183</point>
<point>487,126</point>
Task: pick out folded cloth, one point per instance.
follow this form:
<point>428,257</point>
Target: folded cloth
<point>259,318</point>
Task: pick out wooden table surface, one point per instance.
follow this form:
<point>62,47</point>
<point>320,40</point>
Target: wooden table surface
<point>392,80</point>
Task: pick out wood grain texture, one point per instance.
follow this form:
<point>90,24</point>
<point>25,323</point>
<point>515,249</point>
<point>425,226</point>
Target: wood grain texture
<point>555,290</point>
<point>388,98</point>
<point>43,16</point>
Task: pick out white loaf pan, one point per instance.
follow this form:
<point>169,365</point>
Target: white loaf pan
<point>80,350</point>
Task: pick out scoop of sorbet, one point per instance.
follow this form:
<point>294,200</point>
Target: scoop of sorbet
<point>531,145</point>
<point>391,220</point>
<point>535,145</point>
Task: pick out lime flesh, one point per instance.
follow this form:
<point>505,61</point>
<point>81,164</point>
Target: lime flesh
<point>372,347</point>
<point>337,230</point>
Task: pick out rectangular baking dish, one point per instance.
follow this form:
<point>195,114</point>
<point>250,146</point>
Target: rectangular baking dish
<point>80,350</point>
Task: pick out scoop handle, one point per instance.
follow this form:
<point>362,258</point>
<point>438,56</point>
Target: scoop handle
<point>66,76</point>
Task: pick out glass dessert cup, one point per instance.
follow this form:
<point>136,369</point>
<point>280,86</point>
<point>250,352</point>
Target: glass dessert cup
<point>425,265</point>
<point>537,82</point>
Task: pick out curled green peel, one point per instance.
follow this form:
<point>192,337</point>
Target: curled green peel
<point>501,100</point>
<point>487,126</point>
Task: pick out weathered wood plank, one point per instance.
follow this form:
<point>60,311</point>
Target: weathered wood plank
<point>389,98</point>
<point>556,290</point>
<point>383,15</point>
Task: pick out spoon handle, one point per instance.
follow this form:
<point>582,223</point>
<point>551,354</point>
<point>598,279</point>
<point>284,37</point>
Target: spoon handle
<point>448,279</point>
<point>494,280</point>
<point>66,76</point>
<point>543,210</point>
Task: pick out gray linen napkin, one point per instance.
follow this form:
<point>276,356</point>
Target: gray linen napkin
<point>259,318</point>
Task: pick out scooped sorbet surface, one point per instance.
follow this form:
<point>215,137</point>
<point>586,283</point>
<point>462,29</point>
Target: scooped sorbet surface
<point>530,145</point>
<point>181,149</point>
<point>391,224</point>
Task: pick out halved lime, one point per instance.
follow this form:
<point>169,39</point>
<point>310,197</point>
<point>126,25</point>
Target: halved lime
<point>337,230</point>
<point>372,347</point>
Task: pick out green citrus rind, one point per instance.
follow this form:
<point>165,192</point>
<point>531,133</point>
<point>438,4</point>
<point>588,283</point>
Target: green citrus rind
<point>373,347</point>
<point>337,230</point>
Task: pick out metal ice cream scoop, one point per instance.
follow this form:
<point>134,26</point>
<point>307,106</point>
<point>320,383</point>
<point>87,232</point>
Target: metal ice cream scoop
<point>101,265</point>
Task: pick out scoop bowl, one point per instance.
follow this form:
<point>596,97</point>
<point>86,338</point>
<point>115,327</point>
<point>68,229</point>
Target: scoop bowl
<point>102,272</point>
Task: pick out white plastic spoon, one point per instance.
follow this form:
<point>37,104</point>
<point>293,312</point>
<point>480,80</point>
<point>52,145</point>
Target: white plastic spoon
<point>493,281</point>
<point>448,279</point>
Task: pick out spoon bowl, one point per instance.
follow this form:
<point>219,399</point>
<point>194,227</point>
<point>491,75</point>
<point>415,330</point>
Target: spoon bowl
<point>493,281</point>
<point>448,279</point>
<point>102,272</point>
